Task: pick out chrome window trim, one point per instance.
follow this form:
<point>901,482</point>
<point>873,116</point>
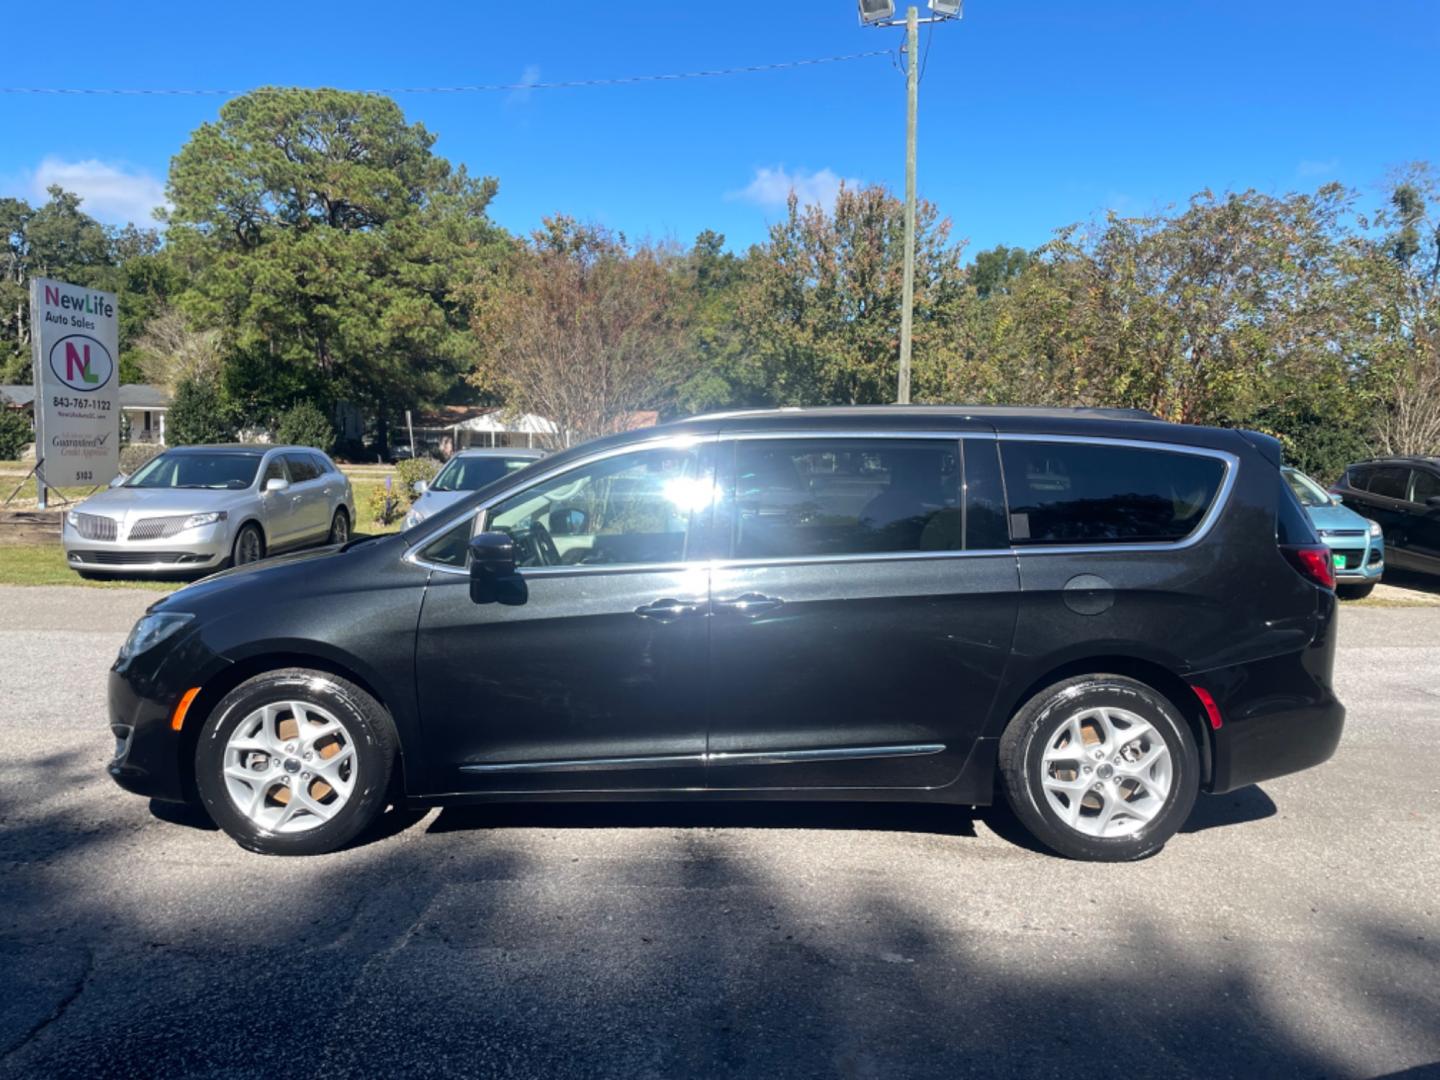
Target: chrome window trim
<point>1207,523</point>
<point>739,757</point>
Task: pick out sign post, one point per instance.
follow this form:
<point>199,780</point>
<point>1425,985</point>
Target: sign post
<point>75,336</point>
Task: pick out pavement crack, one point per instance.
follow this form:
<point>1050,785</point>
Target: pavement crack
<point>61,1007</point>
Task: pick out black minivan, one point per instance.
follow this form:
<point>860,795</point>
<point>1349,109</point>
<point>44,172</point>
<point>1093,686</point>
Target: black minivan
<point>1097,613</point>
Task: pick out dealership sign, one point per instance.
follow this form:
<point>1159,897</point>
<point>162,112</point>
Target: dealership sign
<point>75,335</point>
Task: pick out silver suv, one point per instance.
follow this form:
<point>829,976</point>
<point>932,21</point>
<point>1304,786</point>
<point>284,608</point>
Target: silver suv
<point>196,508</point>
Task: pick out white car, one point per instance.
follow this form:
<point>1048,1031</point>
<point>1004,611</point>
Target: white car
<point>198,508</point>
<point>467,471</point>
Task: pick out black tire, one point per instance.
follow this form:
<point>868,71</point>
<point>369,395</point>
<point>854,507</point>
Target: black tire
<point>1039,721</point>
<point>365,720</point>
<point>339,528</point>
<point>1354,592</point>
<point>249,529</point>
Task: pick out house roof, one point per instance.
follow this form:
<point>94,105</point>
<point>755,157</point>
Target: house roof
<point>18,395</point>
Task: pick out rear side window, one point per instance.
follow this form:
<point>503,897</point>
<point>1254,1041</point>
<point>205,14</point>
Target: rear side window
<point>1091,493</point>
<point>322,464</point>
<point>1389,481</point>
<point>817,497</point>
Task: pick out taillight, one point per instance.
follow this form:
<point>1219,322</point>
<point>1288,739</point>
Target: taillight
<point>1313,561</point>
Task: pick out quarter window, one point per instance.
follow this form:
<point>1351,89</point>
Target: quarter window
<point>632,508</point>
<point>1084,493</point>
<point>818,497</point>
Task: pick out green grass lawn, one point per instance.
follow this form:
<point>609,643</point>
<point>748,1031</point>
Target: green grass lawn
<point>44,564</point>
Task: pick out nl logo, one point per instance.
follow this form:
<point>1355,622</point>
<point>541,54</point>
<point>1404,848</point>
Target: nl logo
<point>81,362</point>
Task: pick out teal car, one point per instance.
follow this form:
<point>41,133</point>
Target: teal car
<point>1356,543</point>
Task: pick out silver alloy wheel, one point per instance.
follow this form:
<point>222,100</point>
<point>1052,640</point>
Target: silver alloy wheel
<point>290,766</point>
<point>1106,772</point>
<point>339,529</point>
<point>247,547</point>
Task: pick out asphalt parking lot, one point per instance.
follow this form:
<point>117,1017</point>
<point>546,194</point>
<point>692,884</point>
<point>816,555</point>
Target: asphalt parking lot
<point>1292,929</point>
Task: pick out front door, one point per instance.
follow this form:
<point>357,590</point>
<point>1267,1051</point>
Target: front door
<point>307,490</point>
<point>863,619</point>
<point>594,682</point>
<point>1424,523</point>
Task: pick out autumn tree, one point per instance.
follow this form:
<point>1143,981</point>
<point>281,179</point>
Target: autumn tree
<point>579,327</point>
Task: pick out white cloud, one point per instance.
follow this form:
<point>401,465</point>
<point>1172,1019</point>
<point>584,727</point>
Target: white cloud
<point>110,192</point>
<point>771,187</point>
<point>1318,168</point>
<point>528,78</point>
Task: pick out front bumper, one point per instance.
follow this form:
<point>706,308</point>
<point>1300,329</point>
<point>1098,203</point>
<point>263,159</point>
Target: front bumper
<point>1359,559</point>
<point>151,757</point>
<point>205,548</point>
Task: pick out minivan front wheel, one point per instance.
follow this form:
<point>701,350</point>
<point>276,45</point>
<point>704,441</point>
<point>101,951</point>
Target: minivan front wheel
<point>295,762</point>
<point>1100,767</point>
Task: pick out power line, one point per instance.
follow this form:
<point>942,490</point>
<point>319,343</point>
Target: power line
<point>479,88</point>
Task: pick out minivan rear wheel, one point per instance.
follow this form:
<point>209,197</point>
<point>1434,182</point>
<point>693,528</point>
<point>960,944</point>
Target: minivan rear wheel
<point>295,762</point>
<point>1100,767</point>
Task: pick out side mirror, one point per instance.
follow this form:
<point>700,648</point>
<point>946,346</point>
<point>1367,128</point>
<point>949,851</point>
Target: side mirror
<point>419,487</point>
<point>277,483</point>
<point>493,577</point>
<point>568,521</point>
<point>117,480</point>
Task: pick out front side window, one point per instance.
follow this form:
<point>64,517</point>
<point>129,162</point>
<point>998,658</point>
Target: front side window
<point>217,471</point>
<point>1426,486</point>
<point>472,472</point>
<point>1091,493</point>
<point>826,497</point>
<point>633,508</point>
<point>274,470</point>
<point>302,468</point>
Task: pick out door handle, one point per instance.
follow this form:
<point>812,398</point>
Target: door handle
<point>666,609</point>
<point>750,603</point>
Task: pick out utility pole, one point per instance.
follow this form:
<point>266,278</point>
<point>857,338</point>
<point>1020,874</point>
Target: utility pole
<point>912,108</point>
<point>879,13</point>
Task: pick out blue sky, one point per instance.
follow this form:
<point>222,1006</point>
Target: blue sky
<point>1033,113</point>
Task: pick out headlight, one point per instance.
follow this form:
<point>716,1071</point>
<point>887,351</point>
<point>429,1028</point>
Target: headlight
<point>194,521</point>
<point>151,630</point>
<point>413,518</point>
<point>1375,530</point>
<point>73,519</point>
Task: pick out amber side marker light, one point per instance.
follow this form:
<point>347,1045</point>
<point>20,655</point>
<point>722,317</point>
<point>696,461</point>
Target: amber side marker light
<point>177,718</point>
<point>1211,709</point>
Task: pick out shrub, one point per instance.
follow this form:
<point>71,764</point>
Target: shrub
<point>408,472</point>
<point>200,414</point>
<point>305,425</point>
<point>379,504</point>
<point>15,433</point>
<point>137,454</point>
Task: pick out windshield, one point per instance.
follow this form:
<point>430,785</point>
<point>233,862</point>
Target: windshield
<point>219,471</point>
<point>473,473</point>
<point>1306,490</point>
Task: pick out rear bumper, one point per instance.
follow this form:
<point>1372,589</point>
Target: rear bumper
<point>1279,715</point>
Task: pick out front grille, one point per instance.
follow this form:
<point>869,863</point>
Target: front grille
<point>1352,558</point>
<point>1342,532</point>
<point>135,558</point>
<point>95,527</point>
<point>157,528</point>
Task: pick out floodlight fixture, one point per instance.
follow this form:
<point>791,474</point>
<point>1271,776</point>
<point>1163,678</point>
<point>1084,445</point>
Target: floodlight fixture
<point>874,11</point>
<point>947,9</point>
